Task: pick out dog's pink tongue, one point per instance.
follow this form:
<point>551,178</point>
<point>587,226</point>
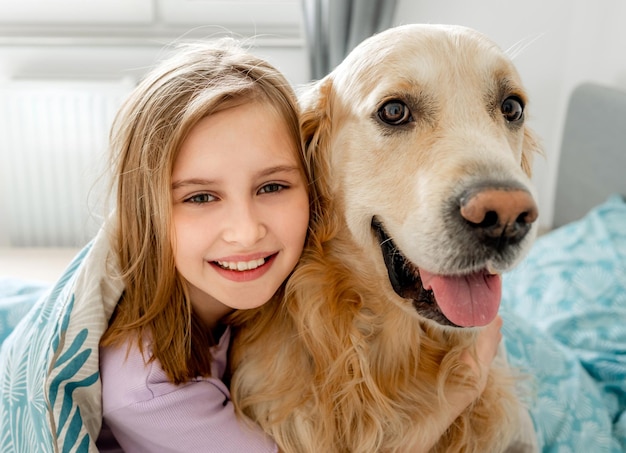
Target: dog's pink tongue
<point>469,300</point>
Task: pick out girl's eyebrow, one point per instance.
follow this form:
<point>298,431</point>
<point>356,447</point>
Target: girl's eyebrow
<point>262,174</point>
<point>191,182</point>
<point>279,169</point>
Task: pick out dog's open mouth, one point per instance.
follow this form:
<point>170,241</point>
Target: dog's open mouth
<point>469,300</point>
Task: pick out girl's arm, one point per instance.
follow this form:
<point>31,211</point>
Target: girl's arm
<point>147,413</point>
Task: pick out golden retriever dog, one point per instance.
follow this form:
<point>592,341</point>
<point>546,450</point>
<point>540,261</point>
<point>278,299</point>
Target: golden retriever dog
<point>421,151</point>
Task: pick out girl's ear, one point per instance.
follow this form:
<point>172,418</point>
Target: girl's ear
<point>530,147</point>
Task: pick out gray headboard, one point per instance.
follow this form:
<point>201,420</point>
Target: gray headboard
<point>592,164</point>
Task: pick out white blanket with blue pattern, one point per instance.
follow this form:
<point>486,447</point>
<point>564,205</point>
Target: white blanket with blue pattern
<point>565,329</point>
<point>50,398</point>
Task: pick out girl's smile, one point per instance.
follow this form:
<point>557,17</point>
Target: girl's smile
<point>241,271</point>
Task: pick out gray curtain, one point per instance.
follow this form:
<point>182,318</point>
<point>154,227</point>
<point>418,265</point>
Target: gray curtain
<point>334,27</point>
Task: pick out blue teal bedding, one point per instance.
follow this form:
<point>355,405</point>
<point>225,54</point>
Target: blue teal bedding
<point>50,397</point>
<point>564,309</point>
<point>17,296</point>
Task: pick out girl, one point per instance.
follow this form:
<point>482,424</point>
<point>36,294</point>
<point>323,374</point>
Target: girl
<point>213,199</point>
<point>215,208</point>
<point>212,208</point>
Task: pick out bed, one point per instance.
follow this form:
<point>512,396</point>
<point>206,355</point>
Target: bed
<point>564,306</point>
<point>25,274</point>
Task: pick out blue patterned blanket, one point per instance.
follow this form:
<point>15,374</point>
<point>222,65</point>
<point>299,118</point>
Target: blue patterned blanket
<point>564,309</point>
<point>50,398</point>
<point>565,331</point>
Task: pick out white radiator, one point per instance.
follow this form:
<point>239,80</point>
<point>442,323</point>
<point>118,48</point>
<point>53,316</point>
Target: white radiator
<point>53,148</point>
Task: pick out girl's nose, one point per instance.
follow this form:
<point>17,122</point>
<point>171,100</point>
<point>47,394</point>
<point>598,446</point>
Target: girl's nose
<point>244,226</point>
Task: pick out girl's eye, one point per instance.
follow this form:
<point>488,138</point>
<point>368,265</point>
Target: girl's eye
<point>273,187</point>
<point>200,198</point>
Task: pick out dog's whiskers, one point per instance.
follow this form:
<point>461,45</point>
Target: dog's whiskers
<point>521,45</point>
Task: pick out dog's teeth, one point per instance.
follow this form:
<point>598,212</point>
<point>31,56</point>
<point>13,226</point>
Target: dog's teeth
<point>491,270</point>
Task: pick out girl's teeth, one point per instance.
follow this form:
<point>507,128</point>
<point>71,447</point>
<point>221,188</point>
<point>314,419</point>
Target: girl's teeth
<point>241,265</point>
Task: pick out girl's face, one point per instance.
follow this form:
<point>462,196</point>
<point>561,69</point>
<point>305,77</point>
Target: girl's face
<point>240,209</point>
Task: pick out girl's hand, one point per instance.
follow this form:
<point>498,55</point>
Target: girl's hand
<point>487,344</point>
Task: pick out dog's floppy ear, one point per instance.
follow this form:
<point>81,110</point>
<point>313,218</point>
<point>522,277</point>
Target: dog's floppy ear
<point>315,125</point>
<point>530,147</point>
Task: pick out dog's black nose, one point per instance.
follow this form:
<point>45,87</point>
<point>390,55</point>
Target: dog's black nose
<point>498,215</point>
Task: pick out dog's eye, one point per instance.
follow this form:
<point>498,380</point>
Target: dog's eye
<point>395,113</point>
<point>512,109</point>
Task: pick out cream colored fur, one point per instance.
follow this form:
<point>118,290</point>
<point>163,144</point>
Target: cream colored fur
<point>343,364</point>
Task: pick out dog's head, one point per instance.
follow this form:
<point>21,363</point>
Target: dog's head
<point>419,142</point>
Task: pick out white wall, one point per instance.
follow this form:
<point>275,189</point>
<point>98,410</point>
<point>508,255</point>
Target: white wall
<point>115,38</point>
<point>568,42</point>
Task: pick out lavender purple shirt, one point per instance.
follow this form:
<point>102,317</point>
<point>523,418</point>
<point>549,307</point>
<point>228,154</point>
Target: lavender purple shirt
<point>147,413</point>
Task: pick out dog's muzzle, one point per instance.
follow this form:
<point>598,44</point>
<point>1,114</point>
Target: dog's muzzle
<point>405,278</point>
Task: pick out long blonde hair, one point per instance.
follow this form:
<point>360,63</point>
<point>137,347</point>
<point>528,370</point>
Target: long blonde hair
<point>148,131</point>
